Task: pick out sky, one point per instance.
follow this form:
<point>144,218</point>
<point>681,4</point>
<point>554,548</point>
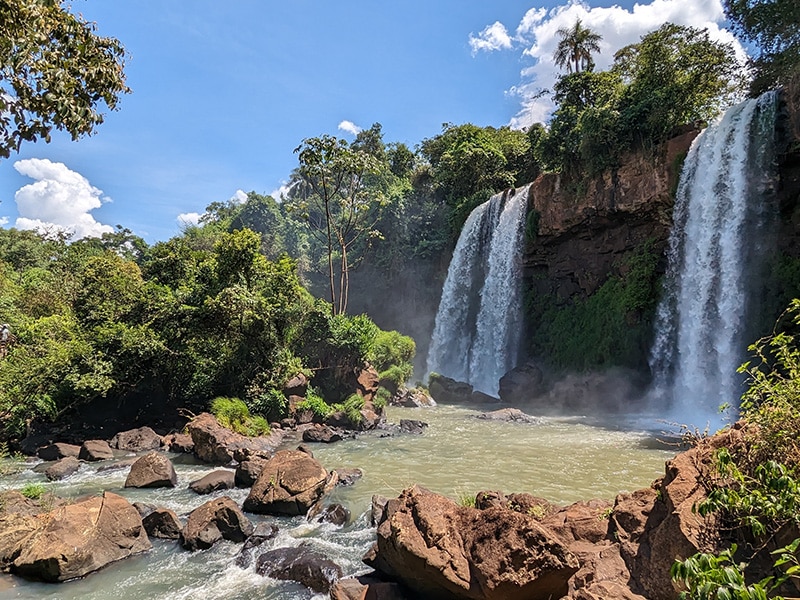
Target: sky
<point>223,92</point>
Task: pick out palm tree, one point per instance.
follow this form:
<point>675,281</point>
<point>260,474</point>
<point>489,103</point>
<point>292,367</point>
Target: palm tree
<point>576,47</point>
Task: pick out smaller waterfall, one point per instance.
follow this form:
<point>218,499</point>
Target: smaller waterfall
<point>478,325</point>
<point>717,241</point>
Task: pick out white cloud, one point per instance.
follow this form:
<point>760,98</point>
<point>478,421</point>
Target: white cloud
<point>60,199</point>
<point>191,218</point>
<point>282,191</point>
<point>240,197</point>
<point>349,127</point>
<point>536,35</point>
<point>493,37</point>
<point>3,221</point>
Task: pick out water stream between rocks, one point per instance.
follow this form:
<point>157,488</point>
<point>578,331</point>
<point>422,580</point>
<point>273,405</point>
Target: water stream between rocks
<point>562,460</point>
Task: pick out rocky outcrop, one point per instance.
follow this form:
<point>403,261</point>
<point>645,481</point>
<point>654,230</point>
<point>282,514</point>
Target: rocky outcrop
<point>439,549</point>
<point>215,444</point>
<point>79,538</point>
<point>301,564</point>
<point>152,470</point>
<point>220,479</point>
<point>136,440</point>
<point>290,483</point>
<point>219,519</point>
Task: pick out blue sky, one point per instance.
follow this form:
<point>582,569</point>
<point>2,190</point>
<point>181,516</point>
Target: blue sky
<point>223,93</point>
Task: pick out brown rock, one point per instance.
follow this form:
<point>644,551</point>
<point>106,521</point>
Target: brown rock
<point>413,426</point>
<point>367,588</point>
<point>449,391</point>
<point>261,533</point>
<point>301,564</point>
<point>213,521</point>
<point>136,440</point>
<point>296,386</point>
<point>15,529</point>
<point>163,523</point>
<point>215,444</point>
<point>321,434</point>
<point>216,480</point>
<point>79,538</point>
<point>62,468</point>
<point>152,470</point>
<point>336,514</point>
<point>178,442</point>
<point>519,385</point>
<point>440,549</point>
<point>93,450</point>
<point>582,521</point>
<point>367,383</point>
<point>412,398</point>
<point>348,476</point>
<point>57,451</point>
<point>247,471</point>
<point>290,483</point>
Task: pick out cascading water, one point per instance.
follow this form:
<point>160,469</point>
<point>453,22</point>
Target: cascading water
<point>478,325</point>
<point>719,235</point>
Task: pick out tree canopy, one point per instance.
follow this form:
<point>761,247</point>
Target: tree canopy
<point>575,48</point>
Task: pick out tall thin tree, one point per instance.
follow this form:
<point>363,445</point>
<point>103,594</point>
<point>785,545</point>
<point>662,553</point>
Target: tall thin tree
<point>576,46</point>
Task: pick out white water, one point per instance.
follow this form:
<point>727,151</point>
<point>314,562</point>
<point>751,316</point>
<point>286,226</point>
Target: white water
<point>478,325</point>
<point>714,249</point>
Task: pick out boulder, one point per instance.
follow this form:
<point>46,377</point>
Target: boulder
<point>367,382</point>
<point>262,533</point>
<point>300,564</point>
<point>413,426</point>
<point>220,479</point>
<point>586,521</point>
<point>58,451</point>
<point>377,513</point>
<point>15,529</point>
<point>76,539</point>
<point>290,483</point>
<point>136,440</point>
<point>449,391</point>
<point>439,549</point>
<point>178,442</point>
<point>412,398</point>
<point>248,471</point>
<point>162,523</point>
<point>94,450</point>
<point>478,397</point>
<point>152,470</point>
<point>62,468</point>
<point>521,384</point>
<point>117,465</point>
<point>321,434</point>
<point>509,415</point>
<point>296,386</point>
<point>371,416</point>
<point>367,587</point>
<point>215,444</point>
<point>218,519</point>
<point>348,476</point>
<point>335,514</point>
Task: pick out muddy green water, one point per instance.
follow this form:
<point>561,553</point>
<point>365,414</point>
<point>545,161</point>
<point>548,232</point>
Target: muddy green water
<point>563,460</point>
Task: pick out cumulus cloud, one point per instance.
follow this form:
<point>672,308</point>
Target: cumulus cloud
<point>240,197</point>
<point>59,199</point>
<point>349,127</point>
<point>190,218</point>
<point>493,37</point>
<point>536,38</point>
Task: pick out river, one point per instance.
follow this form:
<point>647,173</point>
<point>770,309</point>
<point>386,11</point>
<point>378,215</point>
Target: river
<point>562,460</point>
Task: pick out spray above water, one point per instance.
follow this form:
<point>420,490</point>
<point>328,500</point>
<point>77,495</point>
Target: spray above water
<point>478,326</point>
<point>716,249</point>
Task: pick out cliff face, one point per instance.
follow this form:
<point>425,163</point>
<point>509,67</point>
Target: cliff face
<point>581,236</point>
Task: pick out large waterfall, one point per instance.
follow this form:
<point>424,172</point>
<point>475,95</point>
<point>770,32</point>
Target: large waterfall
<point>478,326</point>
<point>719,233</point>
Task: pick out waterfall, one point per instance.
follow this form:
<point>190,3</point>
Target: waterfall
<point>478,325</point>
<point>719,234</point>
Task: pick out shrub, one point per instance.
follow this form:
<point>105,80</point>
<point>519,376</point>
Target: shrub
<point>382,397</point>
<point>33,491</point>
<point>315,404</point>
<point>234,414</point>
<point>395,376</point>
<point>351,407</point>
<point>391,348</point>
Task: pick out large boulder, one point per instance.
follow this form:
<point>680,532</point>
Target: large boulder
<point>440,549</point>
<point>62,468</point>
<point>367,587</point>
<point>152,470</point>
<point>178,442</point>
<point>94,450</point>
<point>162,523</point>
<point>290,483</point>
<point>136,440</point>
<point>412,398</point>
<point>321,434</point>
<point>247,471</point>
<point>215,444</point>
<point>301,564</point>
<point>449,391</point>
<point>76,539</point>
<point>58,451</point>
<point>221,479</point>
<point>521,384</point>
<point>218,519</point>
<point>296,386</point>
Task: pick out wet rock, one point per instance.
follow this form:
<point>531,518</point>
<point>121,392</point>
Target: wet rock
<point>482,398</point>
<point>290,483</point>
<point>300,564</point>
<point>378,510</point>
<point>143,508</point>
<point>216,480</point>
<point>152,470</point>
<point>262,533</point>
<point>306,449</point>
<point>371,417</point>
<point>413,426</point>
<point>348,476</point>
<point>321,434</point>
<point>136,440</point>
<point>248,471</point>
<point>117,465</point>
<point>440,549</point>
<point>218,519</point>
<point>178,442</point>
<point>367,587</point>
<point>94,450</point>
<point>521,384</point>
<point>58,451</point>
<point>336,514</point>
<point>79,538</point>
<point>163,523</point>
<point>509,415</point>
<point>412,398</point>
<point>449,391</point>
<point>215,444</point>
<point>62,468</point>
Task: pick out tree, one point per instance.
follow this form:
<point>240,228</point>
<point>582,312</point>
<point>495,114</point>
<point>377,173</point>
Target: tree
<point>774,27</point>
<point>576,46</point>
<point>336,205</point>
<point>55,72</point>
